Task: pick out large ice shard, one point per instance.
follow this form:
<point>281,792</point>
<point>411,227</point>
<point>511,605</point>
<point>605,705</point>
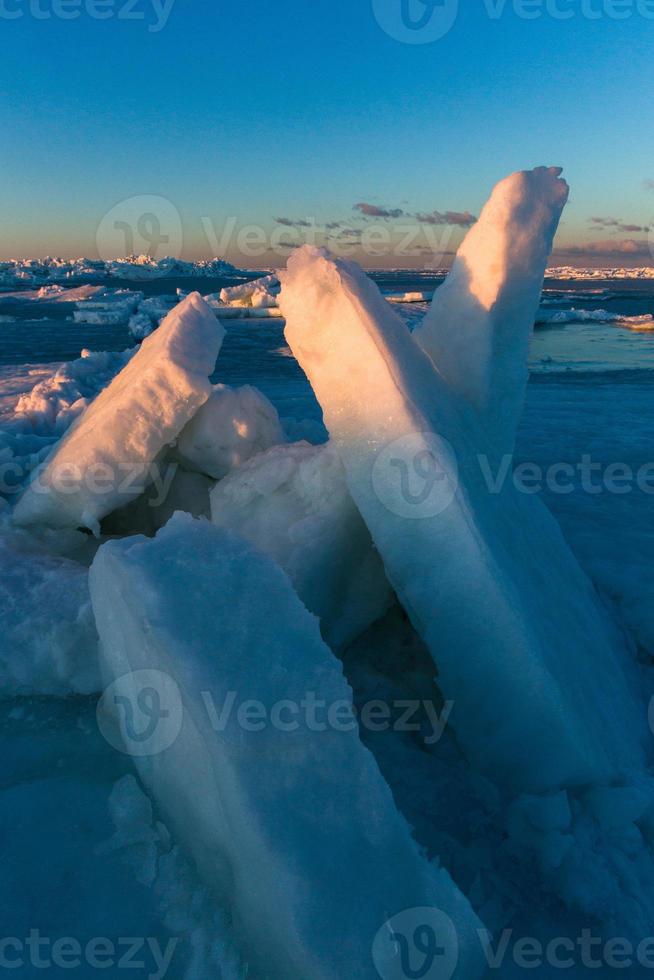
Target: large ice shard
<point>293,504</point>
<point>104,459</point>
<point>524,647</point>
<point>478,328</point>
<point>241,725</point>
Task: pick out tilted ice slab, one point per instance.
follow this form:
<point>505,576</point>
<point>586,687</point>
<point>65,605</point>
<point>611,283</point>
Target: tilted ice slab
<point>478,328</point>
<point>104,459</point>
<point>295,829</point>
<point>523,646</point>
<point>232,425</point>
<point>293,503</point>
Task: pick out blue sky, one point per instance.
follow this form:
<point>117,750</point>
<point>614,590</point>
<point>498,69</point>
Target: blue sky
<point>239,113</point>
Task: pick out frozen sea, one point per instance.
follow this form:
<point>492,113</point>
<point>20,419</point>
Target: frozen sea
<point>82,853</point>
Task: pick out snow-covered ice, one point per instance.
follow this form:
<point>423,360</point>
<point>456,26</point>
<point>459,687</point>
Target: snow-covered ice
<point>105,458</point>
<point>293,504</point>
<point>232,425</point>
<point>303,813</point>
<point>48,639</point>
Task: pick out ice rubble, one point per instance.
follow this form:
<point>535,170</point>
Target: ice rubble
<point>477,330</point>
<point>258,293</point>
<point>303,813</point>
<point>48,640</point>
<point>487,578</point>
<point>39,272</point>
<point>293,504</point>
<point>232,425</point>
<point>104,460</point>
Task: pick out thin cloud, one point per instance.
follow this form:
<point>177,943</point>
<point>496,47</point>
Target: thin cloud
<point>374,211</point>
<point>293,223</point>
<point>636,250</point>
<point>462,219</point>
<point>617,225</point>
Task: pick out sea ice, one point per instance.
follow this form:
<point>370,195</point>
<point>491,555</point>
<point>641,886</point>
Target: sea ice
<point>289,822</point>
<point>292,503</point>
<point>105,459</point>
<point>48,640</point>
<point>478,328</point>
<point>232,425</point>
<point>532,660</point>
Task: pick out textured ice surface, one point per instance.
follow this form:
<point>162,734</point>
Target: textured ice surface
<point>232,425</point>
<point>523,646</point>
<point>293,504</point>
<point>105,458</point>
<point>287,824</point>
<point>478,328</point>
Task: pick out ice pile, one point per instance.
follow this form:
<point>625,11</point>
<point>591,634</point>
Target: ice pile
<point>233,425</point>
<point>40,272</point>
<point>257,293</point>
<point>105,459</point>
<point>618,272</point>
<point>287,825</point>
<point>291,824</point>
<point>410,421</point>
<point>293,504</point>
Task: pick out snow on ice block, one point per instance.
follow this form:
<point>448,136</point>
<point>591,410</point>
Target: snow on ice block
<point>286,815</point>
<point>104,459</point>
<point>535,665</point>
<point>293,503</point>
<point>478,328</point>
<point>48,639</point>
<point>232,425</point>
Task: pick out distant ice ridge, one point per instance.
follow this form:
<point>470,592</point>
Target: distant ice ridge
<point>40,272</point>
<point>553,317</point>
<point>569,272</point>
<point>295,830</point>
<point>501,604</point>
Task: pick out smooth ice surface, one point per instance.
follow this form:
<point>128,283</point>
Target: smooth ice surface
<point>531,658</point>
<point>293,503</point>
<point>104,459</point>
<point>232,425</point>
<point>286,825</point>
<point>478,328</point>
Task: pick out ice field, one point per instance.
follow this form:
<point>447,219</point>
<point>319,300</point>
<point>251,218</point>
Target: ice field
<point>326,616</point>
